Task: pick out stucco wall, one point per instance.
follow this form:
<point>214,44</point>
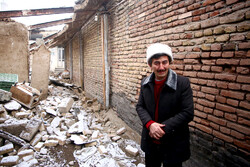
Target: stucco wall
<point>14,49</point>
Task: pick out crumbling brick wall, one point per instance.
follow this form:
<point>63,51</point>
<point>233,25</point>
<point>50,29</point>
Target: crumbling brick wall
<point>92,55</point>
<point>210,42</point>
<point>14,49</point>
<point>76,60</point>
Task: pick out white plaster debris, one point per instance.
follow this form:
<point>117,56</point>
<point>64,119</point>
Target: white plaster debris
<point>6,148</point>
<point>121,131</point>
<point>65,105</point>
<point>9,161</point>
<point>12,105</point>
<point>5,95</point>
<point>131,150</point>
<point>98,142</point>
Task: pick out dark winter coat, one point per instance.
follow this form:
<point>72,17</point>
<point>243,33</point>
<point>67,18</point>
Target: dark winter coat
<point>175,110</point>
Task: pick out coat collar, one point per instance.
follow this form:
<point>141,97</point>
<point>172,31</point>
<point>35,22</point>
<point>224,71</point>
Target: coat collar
<point>170,82</point>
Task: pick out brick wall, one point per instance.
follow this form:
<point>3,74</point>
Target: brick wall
<point>92,53</point>
<point>76,60</point>
<point>210,41</point>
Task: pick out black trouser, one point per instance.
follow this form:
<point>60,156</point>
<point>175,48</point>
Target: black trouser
<point>156,157</point>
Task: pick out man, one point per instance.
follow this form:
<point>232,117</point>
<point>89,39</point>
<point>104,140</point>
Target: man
<point>165,107</point>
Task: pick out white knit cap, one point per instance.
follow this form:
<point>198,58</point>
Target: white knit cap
<point>158,48</point>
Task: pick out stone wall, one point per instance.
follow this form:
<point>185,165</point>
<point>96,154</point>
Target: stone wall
<point>14,49</point>
<point>210,42</point>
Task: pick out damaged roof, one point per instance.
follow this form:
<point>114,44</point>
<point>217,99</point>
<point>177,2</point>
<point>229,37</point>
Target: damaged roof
<point>83,10</point>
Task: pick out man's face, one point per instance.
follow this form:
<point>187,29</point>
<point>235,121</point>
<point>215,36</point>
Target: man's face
<point>160,67</point>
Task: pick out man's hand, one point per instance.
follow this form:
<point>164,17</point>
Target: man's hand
<point>155,130</point>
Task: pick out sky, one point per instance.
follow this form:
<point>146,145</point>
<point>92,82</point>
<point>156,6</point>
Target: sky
<point>37,4</point>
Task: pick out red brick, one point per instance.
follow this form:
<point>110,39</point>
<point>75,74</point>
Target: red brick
<point>220,4</point>
<point>245,104</point>
<point>245,88</point>
<point>205,122</point>
<point>243,121</point>
<point>200,114</point>
<point>210,97</point>
<point>226,77</point>
<point>221,84</point>
<point>229,2</point>
<point>209,2</point>
<point>196,67</point>
<point>215,54</point>
<point>221,99</point>
<point>232,102</point>
<point>227,62</point>
<point>241,54</point>
<point>190,73</point>
<point>206,103</point>
<point>222,136</point>
<point>228,54</point>
<point>204,128</point>
<point>211,83</point>
<point>199,107</point>
<point>225,130</point>
<point>232,94</point>
<point>242,144</point>
<point>199,11</point>
<point>215,13</point>
<point>242,70</point>
<point>216,69</point>
<point>197,120</point>
<point>244,45</point>
<point>229,46</point>
<point>243,113</point>
<point>214,126</point>
<point>216,47</point>
<point>239,128</point>
<point>205,68</point>
<point>191,61</point>
<point>243,79</point>
<point>231,117</point>
<point>202,81</point>
<point>226,108</point>
<point>231,18</point>
<point>237,37</point>
<point>217,120</point>
<point>208,62</point>
<point>245,62</point>
<point>237,135</point>
<point>205,75</point>
<point>210,90</point>
<point>192,55</point>
<point>218,113</point>
<point>234,86</point>
<point>208,110</point>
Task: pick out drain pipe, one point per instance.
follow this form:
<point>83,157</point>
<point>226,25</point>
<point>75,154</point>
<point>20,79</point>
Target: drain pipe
<point>106,68</point>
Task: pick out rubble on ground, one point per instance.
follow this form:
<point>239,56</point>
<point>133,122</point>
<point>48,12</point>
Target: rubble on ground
<point>66,119</point>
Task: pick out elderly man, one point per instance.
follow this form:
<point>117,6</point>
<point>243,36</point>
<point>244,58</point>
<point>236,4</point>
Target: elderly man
<point>165,107</point>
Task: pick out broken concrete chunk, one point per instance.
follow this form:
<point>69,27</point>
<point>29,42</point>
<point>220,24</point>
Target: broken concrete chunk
<point>31,129</point>
<point>9,161</point>
<point>77,139</point>
<point>116,138</point>
<point>44,151</point>
<point>65,105</point>
<point>140,165</point>
<point>90,144</point>
<point>95,134</point>
<point>131,150</point>
<point>21,115</point>
<point>38,146</point>
<point>51,111</point>
<point>32,162</point>
<point>121,131</point>
<point>51,143</point>
<point>102,149</point>
<point>36,139</point>
<point>26,152</point>
<point>6,148</point>
<point>12,105</point>
<point>5,95</point>
<point>56,122</point>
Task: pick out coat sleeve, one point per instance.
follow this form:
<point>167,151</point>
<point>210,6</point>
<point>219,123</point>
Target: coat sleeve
<point>141,109</point>
<point>186,113</point>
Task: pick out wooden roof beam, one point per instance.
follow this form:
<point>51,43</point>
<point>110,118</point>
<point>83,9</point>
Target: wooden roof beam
<point>35,12</point>
<point>50,24</point>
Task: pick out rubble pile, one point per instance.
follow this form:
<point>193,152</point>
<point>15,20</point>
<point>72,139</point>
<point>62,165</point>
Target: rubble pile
<point>66,119</point>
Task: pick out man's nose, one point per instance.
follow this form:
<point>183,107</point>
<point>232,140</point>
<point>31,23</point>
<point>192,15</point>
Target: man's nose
<point>161,66</point>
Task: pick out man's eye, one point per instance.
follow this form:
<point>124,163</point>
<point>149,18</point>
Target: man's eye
<point>156,63</point>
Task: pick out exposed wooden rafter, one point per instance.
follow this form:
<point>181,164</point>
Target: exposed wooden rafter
<point>49,24</point>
